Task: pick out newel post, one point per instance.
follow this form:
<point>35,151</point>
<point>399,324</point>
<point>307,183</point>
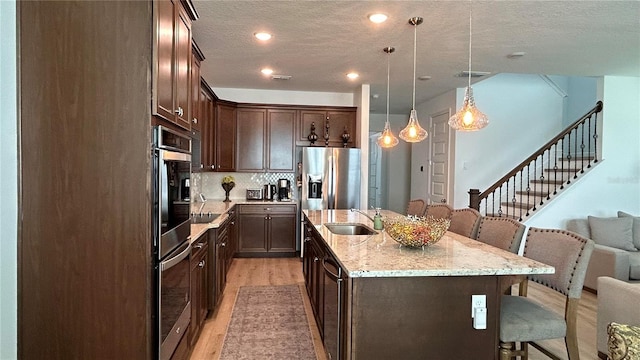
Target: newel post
<point>474,199</point>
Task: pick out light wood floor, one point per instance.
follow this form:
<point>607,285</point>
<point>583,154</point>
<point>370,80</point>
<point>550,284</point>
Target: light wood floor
<point>288,271</point>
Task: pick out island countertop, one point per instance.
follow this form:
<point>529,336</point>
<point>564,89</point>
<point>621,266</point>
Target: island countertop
<point>381,256</point>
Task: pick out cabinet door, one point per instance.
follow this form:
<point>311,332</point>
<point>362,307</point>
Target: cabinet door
<point>308,117</point>
<point>338,122</point>
<point>183,66</point>
<point>282,233</point>
<point>281,137</point>
<point>207,146</point>
<point>252,233</point>
<point>225,138</point>
<point>232,242</point>
<point>251,139</point>
<point>163,87</point>
<point>195,93</point>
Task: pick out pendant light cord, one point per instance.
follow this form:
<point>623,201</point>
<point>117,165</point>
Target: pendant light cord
<point>415,32</point>
<point>470,11</point>
<point>388,69</point>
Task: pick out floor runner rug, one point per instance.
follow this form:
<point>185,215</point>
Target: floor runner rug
<point>268,322</point>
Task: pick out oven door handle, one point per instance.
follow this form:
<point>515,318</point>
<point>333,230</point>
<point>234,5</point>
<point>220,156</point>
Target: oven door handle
<point>169,263</point>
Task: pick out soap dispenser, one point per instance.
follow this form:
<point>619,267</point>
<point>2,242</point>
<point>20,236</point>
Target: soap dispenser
<point>377,220</point>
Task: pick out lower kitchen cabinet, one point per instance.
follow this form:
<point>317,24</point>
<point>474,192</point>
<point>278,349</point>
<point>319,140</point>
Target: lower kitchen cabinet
<point>266,230</point>
<point>199,286</point>
<point>222,238</point>
<point>313,273</point>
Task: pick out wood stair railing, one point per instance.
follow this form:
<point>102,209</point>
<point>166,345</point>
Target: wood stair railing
<point>538,178</point>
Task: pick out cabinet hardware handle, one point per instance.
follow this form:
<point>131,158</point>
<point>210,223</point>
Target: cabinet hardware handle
<point>223,244</point>
<point>267,209</point>
<point>233,223</point>
<point>198,246</point>
<point>195,120</point>
<point>315,259</point>
<point>213,167</point>
<point>307,239</point>
<point>201,166</point>
<point>201,263</point>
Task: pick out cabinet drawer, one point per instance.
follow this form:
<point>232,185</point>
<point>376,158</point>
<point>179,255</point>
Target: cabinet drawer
<point>267,209</point>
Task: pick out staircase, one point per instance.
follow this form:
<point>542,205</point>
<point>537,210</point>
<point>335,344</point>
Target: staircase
<point>543,175</point>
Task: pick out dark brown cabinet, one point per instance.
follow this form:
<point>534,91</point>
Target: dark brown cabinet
<point>225,137</point>
<point>314,273</point>
<point>196,103</point>
<point>266,230</point>
<point>266,139</point>
<point>171,90</point>
<point>199,286</point>
<point>339,121</point>
<point>232,240</point>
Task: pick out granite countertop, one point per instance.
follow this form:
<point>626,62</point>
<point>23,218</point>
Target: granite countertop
<point>381,256</point>
<point>222,208</point>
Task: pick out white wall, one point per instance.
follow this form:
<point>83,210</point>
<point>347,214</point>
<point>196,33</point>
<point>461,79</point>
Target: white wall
<point>8,182</point>
<point>396,164</point>
<point>285,97</point>
<point>361,98</point>
<point>615,183</point>
<point>524,113</point>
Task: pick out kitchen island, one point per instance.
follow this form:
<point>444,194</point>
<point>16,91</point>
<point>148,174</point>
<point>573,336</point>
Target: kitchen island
<point>374,299</point>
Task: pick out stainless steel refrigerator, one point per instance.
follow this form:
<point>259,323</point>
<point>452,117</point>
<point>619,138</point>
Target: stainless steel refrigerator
<point>330,178</point>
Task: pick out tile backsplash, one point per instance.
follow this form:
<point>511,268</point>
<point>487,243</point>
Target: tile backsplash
<point>209,184</point>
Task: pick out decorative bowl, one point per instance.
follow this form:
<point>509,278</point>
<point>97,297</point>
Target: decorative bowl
<point>416,232</point>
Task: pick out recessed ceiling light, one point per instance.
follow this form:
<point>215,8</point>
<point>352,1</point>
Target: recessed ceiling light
<point>267,71</point>
<point>516,54</point>
<point>424,77</point>
<point>352,75</point>
<point>264,36</point>
<point>378,18</point>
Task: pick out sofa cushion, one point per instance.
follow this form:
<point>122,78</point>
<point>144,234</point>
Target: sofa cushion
<point>635,228</point>
<point>614,232</point>
<point>623,341</point>
<point>634,266</point>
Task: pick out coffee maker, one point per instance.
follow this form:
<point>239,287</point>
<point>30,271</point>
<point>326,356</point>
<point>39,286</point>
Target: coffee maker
<point>283,189</point>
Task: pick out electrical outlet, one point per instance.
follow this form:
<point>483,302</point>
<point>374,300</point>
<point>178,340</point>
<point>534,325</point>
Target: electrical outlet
<point>478,301</point>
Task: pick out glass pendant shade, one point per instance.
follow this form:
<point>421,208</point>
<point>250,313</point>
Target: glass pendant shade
<point>413,132</point>
<point>468,118</point>
<point>387,139</point>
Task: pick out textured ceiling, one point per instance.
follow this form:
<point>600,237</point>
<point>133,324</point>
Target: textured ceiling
<point>318,42</point>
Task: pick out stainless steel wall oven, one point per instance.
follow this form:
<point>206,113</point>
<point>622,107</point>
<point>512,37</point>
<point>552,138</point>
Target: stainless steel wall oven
<point>171,233</point>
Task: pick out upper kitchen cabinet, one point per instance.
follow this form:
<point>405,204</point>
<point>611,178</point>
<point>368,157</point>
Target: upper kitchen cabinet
<point>225,137</point>
<point>196,102</point>
<point>172,61</point>
<point>266,140</point>
<point>332,127</point>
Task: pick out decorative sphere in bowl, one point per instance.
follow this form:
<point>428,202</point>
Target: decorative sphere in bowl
<point>416,232</point>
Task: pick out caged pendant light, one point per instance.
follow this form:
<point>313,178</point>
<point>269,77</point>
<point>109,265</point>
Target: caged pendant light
<point>413,132</point>
<point>387,139</point>
<point>468,118</point>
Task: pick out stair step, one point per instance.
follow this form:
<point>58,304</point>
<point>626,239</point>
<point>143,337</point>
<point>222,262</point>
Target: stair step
<point>577,158</point>
<point>559,169</point>
<point>518,205</point>
<point>537,194</point>
<point>515,217</point>
<point>547,182</point>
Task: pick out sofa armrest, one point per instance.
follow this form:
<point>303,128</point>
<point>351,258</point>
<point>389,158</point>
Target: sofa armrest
<point>607,261</point>
<point>615,304</point>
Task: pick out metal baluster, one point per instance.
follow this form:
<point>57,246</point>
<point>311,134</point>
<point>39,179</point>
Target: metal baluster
<point>528,185</point>
<point>569,158</point>
<point>595,140</point>
<point>521,195</point>
<point>589,139</point>
<point>535,186</point>
<point>582,146</point>
<point>575,147</point>
<point>555,168</point>
<point>499,200</point>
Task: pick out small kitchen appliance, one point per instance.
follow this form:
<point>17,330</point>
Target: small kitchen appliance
<point>269,191</point>
<point>254,194</point>
<point>186,193</point>
<point>283,189</point>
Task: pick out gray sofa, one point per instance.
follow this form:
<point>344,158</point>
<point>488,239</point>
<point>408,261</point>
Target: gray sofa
<point>615,253</point>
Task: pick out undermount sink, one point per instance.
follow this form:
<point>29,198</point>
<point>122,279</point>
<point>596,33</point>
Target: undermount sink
<point>203,218</point>
<point>350,229</point>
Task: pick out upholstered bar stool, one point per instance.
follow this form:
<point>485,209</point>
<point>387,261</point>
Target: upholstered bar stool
<point>501,232</point>
<point>416,207</point>
<point>439,211</point>
<point>525,321</point>
<point>465,222</point>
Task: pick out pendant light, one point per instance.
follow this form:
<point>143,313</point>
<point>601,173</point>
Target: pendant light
<point>413,132</point>
<point>387,139</point>
<point>469,118</point>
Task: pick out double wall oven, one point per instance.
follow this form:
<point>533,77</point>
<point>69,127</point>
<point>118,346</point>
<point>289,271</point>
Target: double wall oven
<point>171,233</point>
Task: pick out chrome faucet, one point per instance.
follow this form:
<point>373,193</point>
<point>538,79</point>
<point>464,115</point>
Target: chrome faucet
<point>363,213</point>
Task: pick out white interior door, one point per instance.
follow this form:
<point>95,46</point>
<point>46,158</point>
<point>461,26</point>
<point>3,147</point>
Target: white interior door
<point>440,158</point>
